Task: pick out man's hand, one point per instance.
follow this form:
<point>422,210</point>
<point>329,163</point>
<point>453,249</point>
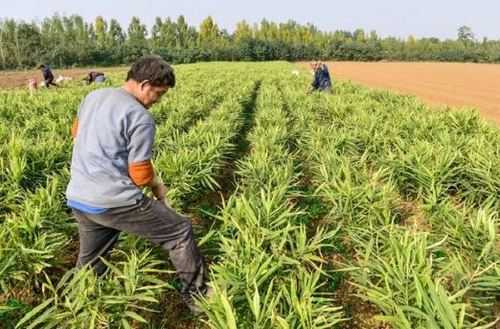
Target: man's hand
<point>158,188</point>
<point>159,191</point>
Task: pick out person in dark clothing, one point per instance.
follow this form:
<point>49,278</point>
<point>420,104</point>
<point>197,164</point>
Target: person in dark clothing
<point>48,77</point>
<point>96,77</point>
<point>322,80</point>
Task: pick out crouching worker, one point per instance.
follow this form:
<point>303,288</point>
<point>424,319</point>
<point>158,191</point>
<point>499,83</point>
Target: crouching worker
<point>111,163</point>
<point>97,77</point>
<point>322,81</point>
<point>32,85</point>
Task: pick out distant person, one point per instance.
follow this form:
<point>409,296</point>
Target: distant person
<point>322,80</point>
<point>97,77</point>
<point>48,77</point>
<point>32,85</point>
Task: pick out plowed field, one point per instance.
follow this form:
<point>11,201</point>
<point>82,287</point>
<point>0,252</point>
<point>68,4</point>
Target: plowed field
<point>454,84</point>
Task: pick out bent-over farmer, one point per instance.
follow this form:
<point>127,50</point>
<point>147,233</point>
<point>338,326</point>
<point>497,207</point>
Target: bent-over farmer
<point>111,163</point>
<point>322,80</point>
<point>97,77</point>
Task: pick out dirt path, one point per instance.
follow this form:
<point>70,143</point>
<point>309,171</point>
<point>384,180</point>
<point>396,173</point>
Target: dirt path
<point>454,84</point>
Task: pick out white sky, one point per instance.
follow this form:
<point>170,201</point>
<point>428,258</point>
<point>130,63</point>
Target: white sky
<point>423,18</point>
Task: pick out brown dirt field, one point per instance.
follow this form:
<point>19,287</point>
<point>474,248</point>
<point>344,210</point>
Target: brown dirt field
<point>454,84</point>
<point>16,79</point>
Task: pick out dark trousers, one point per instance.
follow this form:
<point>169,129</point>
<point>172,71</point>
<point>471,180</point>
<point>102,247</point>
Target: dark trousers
<point>50,82</point>
<point>152,220</point>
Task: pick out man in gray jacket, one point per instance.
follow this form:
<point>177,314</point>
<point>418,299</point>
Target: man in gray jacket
<point>111,163</point>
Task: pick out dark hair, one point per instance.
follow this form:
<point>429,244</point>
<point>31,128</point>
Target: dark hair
<point>154,69</point>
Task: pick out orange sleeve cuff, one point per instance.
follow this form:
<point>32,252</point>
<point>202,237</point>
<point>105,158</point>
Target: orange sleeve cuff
<point>141,172</point>
<point>74,128</point>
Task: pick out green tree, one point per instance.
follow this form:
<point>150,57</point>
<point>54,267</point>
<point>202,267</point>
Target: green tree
<point>359,35</point>
<point>243,31</point>
<point>28,44</point>
<point>137,44</point>
<point>8,43</point>
<point>156,33</point>
<point>137,31</point>
<point>116,37</point>
<point>465,34</point>
<point>186,35</point>
<point>209,32</point>
<point>168,34</point>
<point>70,40</point>
<point>101,32</point>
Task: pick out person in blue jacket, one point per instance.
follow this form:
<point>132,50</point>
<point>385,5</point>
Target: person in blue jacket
<point>48,77</point>
<point>322,80</point>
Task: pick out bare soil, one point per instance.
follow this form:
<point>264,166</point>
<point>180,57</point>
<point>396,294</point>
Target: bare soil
<point>454,84</point>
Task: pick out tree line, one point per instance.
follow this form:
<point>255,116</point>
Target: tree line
<point>65,41</point>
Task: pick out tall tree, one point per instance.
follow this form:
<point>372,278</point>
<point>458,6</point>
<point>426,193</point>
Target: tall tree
<point>101,31</point>
<point>136,42</point>
<point>116,37</point>
<point>359,35</point>
<point>156,33</point>
<point>243,31</point>
<point>465,34</point>
<point>209,31</point>
<point>184,33</point>
<point>28,44</point>
<point>8,43</point>
<point>168,34</point>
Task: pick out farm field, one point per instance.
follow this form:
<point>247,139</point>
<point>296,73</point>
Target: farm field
<point>463,85</point>
<point>452,84</point>
<point>358,209</point>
